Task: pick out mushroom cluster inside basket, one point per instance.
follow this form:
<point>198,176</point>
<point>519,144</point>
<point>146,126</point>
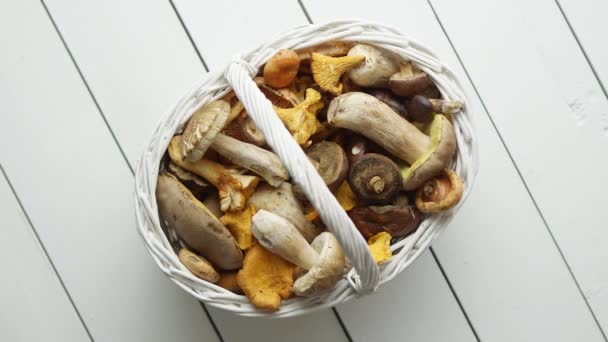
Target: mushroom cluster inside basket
<point>372,124</point>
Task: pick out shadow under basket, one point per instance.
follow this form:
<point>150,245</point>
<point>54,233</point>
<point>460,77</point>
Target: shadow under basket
<point>365,276</point>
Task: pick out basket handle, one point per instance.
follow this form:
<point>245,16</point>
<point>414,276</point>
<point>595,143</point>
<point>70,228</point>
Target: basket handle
<point>239,76</point>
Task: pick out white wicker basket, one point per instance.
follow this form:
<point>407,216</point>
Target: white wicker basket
<point>365,275</point>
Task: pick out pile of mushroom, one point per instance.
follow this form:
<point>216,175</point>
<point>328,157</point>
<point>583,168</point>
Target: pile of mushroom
<point>371,123</point>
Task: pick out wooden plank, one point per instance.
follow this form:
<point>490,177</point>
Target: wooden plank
<point>77,190</point>
<point>114,32</point>
<point>137,61</point>
<point>550,110</point>
<point>587,18</point>
<point>513,288</point>
<point>216,52</point>
<point>39,307</point>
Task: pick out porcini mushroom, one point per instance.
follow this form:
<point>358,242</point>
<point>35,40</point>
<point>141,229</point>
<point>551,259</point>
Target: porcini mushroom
<point>281,201</point>
<point>375,178</point>
<point>281,69</point>
<point>409,81</point>
<point>377,68</point>
<point>195,224</point>
<point>398,221</point>
<point>251,157</point>
<point>327,70</point>
<point>439,193</point>
<point>301,120</point>
<point>233,188</point>
<point>427,155</point>
<point>330,161</point>
<point>324,258</point>
<point>202,128</point>
<point>198,265</point>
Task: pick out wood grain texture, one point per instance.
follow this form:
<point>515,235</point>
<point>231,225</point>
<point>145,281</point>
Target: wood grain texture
<point>34,304</point>
<point>493,256</point>
<point>550,111</point>
<point>588,21</point>
<point>77,190</point>
<point>130,108</point>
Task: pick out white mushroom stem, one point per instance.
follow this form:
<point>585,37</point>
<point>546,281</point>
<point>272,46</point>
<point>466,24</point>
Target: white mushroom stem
<point>251,157</point>
<point>280,237</point>
<point>364,114</point>
<point>446,106</point>
<point>282,201</point>
<point>231,186</point>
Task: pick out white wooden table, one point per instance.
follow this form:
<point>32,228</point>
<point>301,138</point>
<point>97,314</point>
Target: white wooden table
<point>82,84</point>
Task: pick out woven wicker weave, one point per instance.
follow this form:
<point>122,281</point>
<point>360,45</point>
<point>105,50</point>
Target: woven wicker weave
<point>365,275</point>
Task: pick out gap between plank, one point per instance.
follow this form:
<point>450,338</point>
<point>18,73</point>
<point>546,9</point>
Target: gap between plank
<point>580,45</point>
<point>536,206</point>
<point>65,45</point>
<point>445,276</point>
<point>46,253</point>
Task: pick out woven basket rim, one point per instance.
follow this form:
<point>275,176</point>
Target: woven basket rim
<point>213,86</point>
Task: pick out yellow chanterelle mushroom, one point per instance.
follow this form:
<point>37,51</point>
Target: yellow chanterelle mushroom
<point>327,70</point>
<point>301,120</point>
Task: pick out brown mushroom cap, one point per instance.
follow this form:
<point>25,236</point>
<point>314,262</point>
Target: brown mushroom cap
<point>420,109</point>
<point>440,193</point>
<point>409,81</point>
<point>375,178</point>
<point>198,265</point>
<point>195,224</point>
<point>405,85</point>
<point>196,184</point>
<point>202,128</point>
<point>330,161</point>
<point>281,69</point>
<point>396,220</point>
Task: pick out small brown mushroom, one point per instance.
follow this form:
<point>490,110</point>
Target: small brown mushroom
<point>420,109</point>
<point>202,128</point>
<point>440,193</point>
<point>409,81</point>
<point>252,134</point>
<point>377,68</point>
<point>195,224</point>
<point>197,185</point>
<point>281,69</point>
<point>356,148</point>
<point>330,161</point>
<point>198,265</point>
<point>426,154</point>
<point>396,220</point>
<point>375,178</point>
